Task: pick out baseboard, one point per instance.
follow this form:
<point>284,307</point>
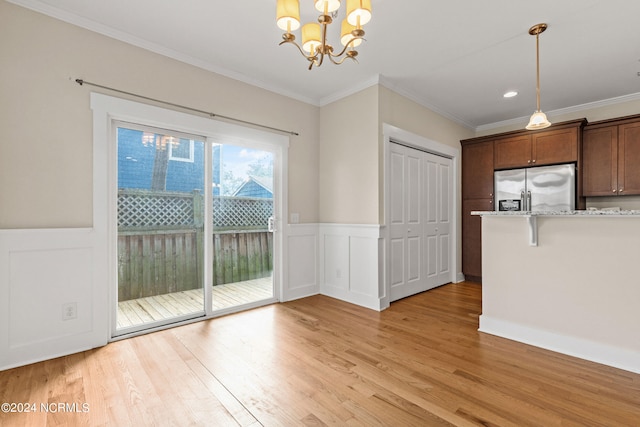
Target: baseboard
<point>573,346</point>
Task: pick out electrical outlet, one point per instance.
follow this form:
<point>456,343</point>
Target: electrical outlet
<point>338,273</point>
<point>69,311</point>
<point>295,218</point>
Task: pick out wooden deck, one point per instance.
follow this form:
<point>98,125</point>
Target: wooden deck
<point>144,310</point>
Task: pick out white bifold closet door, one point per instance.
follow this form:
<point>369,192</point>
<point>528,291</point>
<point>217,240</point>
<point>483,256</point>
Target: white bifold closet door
<point>420,221</point>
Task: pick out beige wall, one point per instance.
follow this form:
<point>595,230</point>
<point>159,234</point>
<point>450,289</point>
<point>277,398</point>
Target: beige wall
<point>576,292</point>
<point>46,154</point>
<point>408,115</point>
<point>351,150</point>
<point>349,159</point>
<point>335,165</point>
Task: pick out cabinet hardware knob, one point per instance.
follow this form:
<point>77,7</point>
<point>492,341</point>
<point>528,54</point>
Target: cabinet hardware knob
<point>614,190</point>
<point>620,190</point>
<point>533,161</point>
<point>528,161</point>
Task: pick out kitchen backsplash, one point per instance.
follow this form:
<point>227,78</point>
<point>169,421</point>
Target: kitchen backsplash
<point>623,202</point>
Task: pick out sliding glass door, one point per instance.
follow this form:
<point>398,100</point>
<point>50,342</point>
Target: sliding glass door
<point>242,242</point>
<point>160,227</point>
<point>176,233</point>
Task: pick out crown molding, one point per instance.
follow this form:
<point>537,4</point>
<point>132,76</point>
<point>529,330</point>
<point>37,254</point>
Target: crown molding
<point>562,111</point>
<point>122,36</point>
<point>386,82</point>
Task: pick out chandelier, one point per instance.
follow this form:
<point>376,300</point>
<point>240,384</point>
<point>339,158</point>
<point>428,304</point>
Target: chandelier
<point>538,118</point>
<point>314,35</point>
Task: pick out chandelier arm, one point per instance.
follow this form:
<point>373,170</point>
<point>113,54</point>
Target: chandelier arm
<point>323,42</point>
<point>310,58</point>
<point>344,49</point>
<point>343,59</point>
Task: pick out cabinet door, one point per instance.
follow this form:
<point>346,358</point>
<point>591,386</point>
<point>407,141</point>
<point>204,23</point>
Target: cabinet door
<point>513,152</point>
<point>472,237</point>
<point>629,159</point>
<point>600,161</point>
<point>555,146</point>
<point>477,170</point>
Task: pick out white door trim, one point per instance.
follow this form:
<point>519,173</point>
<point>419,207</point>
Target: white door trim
<point>400,136</point>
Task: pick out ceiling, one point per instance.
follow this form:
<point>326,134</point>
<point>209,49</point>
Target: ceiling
<point>456,57</point>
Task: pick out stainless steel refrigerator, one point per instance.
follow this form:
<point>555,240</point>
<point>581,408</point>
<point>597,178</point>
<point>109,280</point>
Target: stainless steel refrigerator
<point>543,188</point>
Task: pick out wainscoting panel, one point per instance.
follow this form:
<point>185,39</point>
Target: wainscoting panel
<point>53,294</point>
<point>350,264</point>
<point>301,263</point>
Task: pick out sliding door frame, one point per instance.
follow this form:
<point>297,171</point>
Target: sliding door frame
<point>108,110</point>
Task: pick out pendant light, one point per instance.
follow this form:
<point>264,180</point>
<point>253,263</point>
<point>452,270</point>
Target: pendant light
<point>538,119</point>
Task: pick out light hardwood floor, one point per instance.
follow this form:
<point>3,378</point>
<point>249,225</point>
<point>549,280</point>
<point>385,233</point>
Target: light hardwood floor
<point>319,361</point>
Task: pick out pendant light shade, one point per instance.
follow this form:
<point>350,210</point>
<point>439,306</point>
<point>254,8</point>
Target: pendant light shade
<point>311,37</point>
<point>358,12</point>
<point>332,5</point>
<point>539,119</point>
<point>288,15</point>
<point>347,36</point>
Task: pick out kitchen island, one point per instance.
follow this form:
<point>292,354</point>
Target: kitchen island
<point>564,281</point>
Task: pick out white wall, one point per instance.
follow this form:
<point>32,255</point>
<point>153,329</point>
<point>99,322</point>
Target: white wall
<point>41,272</point>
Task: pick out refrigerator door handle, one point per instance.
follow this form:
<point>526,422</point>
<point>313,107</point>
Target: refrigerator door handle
<point>528,200</point>
<point>523,206</point>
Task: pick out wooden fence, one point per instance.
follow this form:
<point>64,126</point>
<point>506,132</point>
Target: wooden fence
<point>157,258</point>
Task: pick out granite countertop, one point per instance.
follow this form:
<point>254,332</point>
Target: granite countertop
<point>588,212</point>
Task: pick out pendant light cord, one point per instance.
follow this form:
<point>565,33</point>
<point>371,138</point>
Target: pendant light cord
<point>195,110</point>
<point>538,70</point>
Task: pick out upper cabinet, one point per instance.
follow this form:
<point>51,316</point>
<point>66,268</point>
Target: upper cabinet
<point>611,157</point>
<point>558,145</point>
<point>477,171</point>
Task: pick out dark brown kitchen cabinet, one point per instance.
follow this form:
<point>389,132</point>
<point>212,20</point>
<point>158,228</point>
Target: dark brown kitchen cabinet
<point>555,146</point>
<point>477,195</point>
<point>513,152</point>
<point>472,237</point>
<point>539,148</point>
<point>611,157</point>
<point>477,170</point>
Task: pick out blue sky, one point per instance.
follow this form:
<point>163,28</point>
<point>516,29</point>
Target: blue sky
<point>238,159</point>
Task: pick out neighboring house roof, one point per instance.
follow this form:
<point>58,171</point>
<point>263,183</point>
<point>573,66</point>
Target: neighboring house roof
<point>255,186</point>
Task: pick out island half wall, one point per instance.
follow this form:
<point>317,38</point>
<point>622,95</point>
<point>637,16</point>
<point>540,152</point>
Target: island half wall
<point>575,291</point>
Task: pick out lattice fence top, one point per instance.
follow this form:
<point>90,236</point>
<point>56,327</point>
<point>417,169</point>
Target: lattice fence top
<point>241,212</point>
<point>154,209</point>
<point>143,209</point>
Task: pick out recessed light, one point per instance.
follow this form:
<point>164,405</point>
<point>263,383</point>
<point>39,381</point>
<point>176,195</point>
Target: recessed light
<point>510,94</point>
